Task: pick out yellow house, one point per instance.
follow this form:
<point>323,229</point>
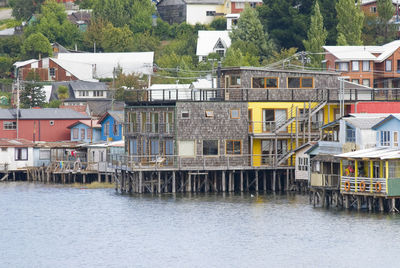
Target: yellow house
<point>277,128</point>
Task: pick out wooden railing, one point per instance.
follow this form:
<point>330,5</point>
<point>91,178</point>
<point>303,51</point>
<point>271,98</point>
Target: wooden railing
<point>363,185</point>
<point>325,180</point>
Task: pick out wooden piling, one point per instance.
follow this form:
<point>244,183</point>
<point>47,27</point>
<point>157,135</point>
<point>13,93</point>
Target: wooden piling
<point>256,178</point>
<point>241,181</point>
<point>173,182</point>
<point>264,181</point>
<point>223,182</point>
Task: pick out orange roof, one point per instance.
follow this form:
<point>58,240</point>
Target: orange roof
<point>89,123</point>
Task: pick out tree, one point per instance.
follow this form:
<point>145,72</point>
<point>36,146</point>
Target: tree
<point>84,4</point>
<point>386,10</point>
<point>53,24</point>
<point>219,24</point>
<point>94,34</point>
<point>36,44</point>
<point>235,57</point>
<point>250,30</point>
<point>328,12</point>
<point>117,39</point>
<point>62,93</point>
<point>137,14</point>
<point>23,9</point>
<point>145,42</point>
<point>316,37</point>
<point>6,65</point>
<point>32,94</point>
<point>286,56</point>
<point>350,23</point>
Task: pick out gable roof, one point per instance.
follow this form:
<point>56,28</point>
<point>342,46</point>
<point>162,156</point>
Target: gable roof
<point>43,113</point>
<point>19,64</point>
<point>15,143</point>
<point>347,53</point>
<point>390,117</point>
<point>207,40</point>
<point>117,115</point>
<point>89,123</point>
<point>104,63</point>
<point>363,122</point>
<point>82,71</point>
<point>74,86</point>
<point>100,107</point>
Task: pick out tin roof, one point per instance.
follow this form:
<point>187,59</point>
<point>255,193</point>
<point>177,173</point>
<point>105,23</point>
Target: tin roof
<point>43,113</point>
<point>374,153</point>
<point>15,143</point>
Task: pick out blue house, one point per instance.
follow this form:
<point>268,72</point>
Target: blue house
<point>388,132</point>
<point>85,131</point>
<point>112,126</point>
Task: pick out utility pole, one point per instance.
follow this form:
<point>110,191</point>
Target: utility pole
<point>17,103</point>
<point>113,91</point>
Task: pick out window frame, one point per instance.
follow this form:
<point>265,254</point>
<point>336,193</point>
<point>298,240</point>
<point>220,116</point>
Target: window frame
<point>75,133</point>
<point>265,79</point>
<point>9,125</point>
<point>185,112</point>
<point>47,151</point>
<point>300,81</point>
<point>233,150</point>
<point>16,154</point>
<point>388,63</point>
<point>356,64</point>
<point>395,139</point>
<point>384,138</point>
<point>364,64</point>
<point>236,78</point>
<point>341,64</point>
<point>231,115</point>
<point>209,114</point>
<point>369,82</point>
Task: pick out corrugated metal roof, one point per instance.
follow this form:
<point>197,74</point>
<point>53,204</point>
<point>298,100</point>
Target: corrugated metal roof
<point>15,143</point>
<point>83,71</point>
<point>363,122</point>
<point>44,113</point>
<point>207,40</point>
<point>375,153</point>
<point>117,115</point>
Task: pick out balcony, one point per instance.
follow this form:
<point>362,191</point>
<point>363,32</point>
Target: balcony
<point>325,180</point>
<point>369,186</point>
<point>150,128</point>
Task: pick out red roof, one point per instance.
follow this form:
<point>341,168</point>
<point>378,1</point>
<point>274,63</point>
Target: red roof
<point>89,123</point>
<point>78,108</point>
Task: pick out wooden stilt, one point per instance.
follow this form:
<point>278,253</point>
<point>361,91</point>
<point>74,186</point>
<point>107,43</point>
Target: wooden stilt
<point>230,182</point>
<point>215,181</point>
<point>223,182</point>
<point>247,181</point>
<point>274,180</point>
<point>256,178</point>
<point>173,182</point>
<point>189,183</point>
<point>287,180</point>
<point>359,202</point>
<point>206,183</point>
<point>140,182</point>
<point>265,181</point>
<point>241,181</point>
<point>381,207</point>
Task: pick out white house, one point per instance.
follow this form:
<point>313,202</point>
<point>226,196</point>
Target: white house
<point>16,153</point>
<point>203,11</point>
<point>212,42</point>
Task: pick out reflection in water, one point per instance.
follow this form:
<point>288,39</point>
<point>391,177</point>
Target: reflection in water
<point>57,226</point>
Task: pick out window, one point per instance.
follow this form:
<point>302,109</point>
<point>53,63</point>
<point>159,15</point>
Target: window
<point>355,66</point>
<point>44,154</point>
<point>133,127</point>
<point>154,122</point>
<point>168,120</point>
<point>116,129</point>
<point>235,80</point>
<point>52,72</point>
<point>395,138</point>
<point>233,147</point>
<point>8,125</point>
<point>89,133</point>
<point>154,147</point>
<point>210,13</point>
<point>385,138</point>
<point>265,82</point>
<point>239,5</point>
<point>83,93</point>
<point>366,82</point>
<point>372,9</point>
<point>210,147</point>
<point>209,114</point>
<point>144,121</point>
<point>133,147</point>
<point>83,134</point>
<point>300,82</point>
<point>365,66</point>
<point>107,129</point>
<point>355,81</point>
<point>350,134</point>
<point>220,52</point>
<point>185,115</point>
<point>75,133</point>
<point>186,148</point>
<point>51,122</point>
<point>235,114</point>
<point>97,93</point>
<point>388,65</point>
<point>303,163</point>
<point>343,66</point>
<point>21,153</point>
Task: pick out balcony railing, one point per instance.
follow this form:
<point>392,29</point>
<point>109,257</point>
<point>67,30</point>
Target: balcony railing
<point>150,128</point>
<point>190,162</point>
<point>363,185</point>
<point>325,180</point>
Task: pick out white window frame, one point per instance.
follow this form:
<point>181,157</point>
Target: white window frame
<point>384,138</point>
<point>365,66</point>
<point>388,65</point>
<point>355,66</point>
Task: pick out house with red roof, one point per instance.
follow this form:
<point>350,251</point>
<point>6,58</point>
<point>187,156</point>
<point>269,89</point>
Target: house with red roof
<point>85,131</point>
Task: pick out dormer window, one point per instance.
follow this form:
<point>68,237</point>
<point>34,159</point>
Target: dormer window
<point>220,48</point>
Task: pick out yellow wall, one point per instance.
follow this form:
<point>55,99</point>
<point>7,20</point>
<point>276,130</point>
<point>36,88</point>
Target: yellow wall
<point>257,108</point>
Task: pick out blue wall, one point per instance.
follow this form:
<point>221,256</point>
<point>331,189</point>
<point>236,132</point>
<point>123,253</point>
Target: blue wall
<point>80,126</point>
<point>391,125</point>
<point>110,120</point>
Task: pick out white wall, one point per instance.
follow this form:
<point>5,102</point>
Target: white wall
<point>197,14</point>
<point>302,174</point>
<point>8,157</point>
<point>368,138</point>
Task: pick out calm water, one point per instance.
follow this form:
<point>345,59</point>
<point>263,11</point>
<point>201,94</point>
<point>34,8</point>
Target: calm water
<point>55,226</point>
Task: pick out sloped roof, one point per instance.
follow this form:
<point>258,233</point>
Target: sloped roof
<point>347,53</point>
<point>19,64</point>
<point>82,71</point>
<point>76,85</point>
<point>43,113</point>
<point>89,123</point>
<point>104,63</point>
<point>117,115</point>
<point>78,108</point>
<point>366,2</point>
<point>99,107</point>
<point>15,143</point>
<point>384,120</point>
<point>363,122</point>
<point>207,40</point>
<point>375,153</point>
